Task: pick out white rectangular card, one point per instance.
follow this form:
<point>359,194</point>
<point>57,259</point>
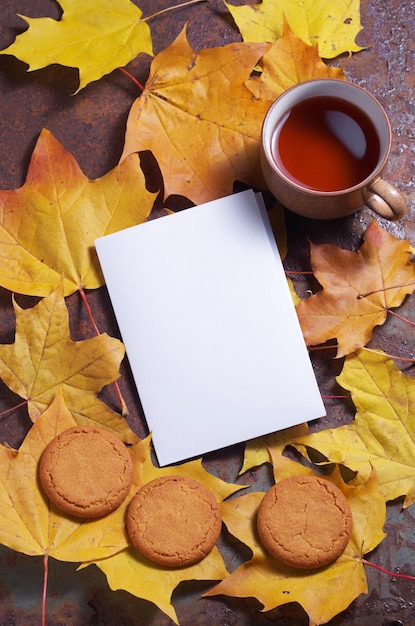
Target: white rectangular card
<point>209,327</point>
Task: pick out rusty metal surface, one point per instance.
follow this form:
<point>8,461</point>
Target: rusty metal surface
<point>91,126</point>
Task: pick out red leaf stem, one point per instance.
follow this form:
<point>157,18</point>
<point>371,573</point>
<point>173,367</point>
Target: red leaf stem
<point>45,587</point>
<point>124,408</point>
<point>385,571</point>
<point>400,317</point>
<point>370,293</point>
<point>133,78</point>
<point>13,408</point>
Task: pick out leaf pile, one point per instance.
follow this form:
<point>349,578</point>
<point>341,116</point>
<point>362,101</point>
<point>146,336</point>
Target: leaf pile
<point>200,114</point>
<point>275,584</point>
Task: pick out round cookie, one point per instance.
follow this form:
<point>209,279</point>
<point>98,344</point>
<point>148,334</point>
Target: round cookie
<point>86,471</point>
<point>304,522</point>
<point>174,521</point>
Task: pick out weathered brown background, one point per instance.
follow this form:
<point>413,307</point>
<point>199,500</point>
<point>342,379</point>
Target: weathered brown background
<point>91,126</point>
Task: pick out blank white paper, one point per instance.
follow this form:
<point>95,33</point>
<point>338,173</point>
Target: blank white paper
<point>209,327</point>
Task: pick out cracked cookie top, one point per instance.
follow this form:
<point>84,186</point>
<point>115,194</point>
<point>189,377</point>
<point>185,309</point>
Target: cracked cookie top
<point>304,522</point>
<point>86,471</point>
<point>174,521</point>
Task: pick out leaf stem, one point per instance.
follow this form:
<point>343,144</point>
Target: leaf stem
<point>89,310</point>
<point>45,587</point>
<point>370,293</point>
<point>400,317</point>
<point>390,356</point>
<point>131,77</point>
<point>177,6</point>
<point>13,408</point>
<point>385,571</point>
<point>123,405</point>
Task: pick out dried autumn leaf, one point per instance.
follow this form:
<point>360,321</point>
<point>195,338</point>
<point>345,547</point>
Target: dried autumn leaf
<point>49,225</point>
<point>130,571</point>
<point>288,62</point>
<point>95,36</point>
<point>332,25</point>
<point>358,289</point>
<point>203,93</point>
<point>30,524</point>
<point>257,450</point>
<point>382,435</point>
<point>43,360</point>
<point>273,584</point>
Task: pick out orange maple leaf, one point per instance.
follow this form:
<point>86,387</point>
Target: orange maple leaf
<point>200,120</point>
<point>358,289</point>
<point>49,225</point>
<point>274,584</point>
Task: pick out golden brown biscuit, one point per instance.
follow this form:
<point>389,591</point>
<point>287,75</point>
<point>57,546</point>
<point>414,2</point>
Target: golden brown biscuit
<point>304,522</point>
<point>174,521</point>
<point>86,471</point>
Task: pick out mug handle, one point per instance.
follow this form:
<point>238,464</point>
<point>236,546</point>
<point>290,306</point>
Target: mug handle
<point>385,200</point>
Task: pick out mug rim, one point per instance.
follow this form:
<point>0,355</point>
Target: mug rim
<point>266,142</point>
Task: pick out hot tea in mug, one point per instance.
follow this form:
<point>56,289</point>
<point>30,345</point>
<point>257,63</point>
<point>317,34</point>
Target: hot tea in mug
<point>324,145</point>
<point>339,144</point>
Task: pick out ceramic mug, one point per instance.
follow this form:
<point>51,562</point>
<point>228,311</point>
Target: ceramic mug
<point>309,199</point>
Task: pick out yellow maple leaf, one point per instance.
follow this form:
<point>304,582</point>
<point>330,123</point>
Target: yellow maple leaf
<point>28,521</point>
<point>332,25</point>
<point>49,225</point>
<point>382,435</point>
<point>273,584</point>
<point>358,289</point>
<point>289,61</point>
<point>203,93</point>
<point>44,360</point>
<point>256,450</point>
<point>97,37</point>
<point>130,571</point>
